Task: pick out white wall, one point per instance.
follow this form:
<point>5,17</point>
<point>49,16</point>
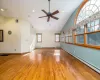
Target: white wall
<point>22,37</point>
<point>48,39</point>
<point>28,37</point>
<point>11,42</point>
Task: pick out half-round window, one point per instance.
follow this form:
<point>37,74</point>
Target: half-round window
<point>90,8</point>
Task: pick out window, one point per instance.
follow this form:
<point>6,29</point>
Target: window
<point>93,33</point>
<point>87,31</point>
<point>39,37</point>
<point>93,26</point>
<point>80,35</point>
<point>70,39</point>
<point>57,37</point>
<point>80,39</point>
<point>80,30</point>
<point>87,35</point>
<point>93,39</point>
<point>62,39</point>
<point>89,9</point>
<point>67,39</point>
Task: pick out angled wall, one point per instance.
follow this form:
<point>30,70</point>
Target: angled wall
<point>89,56</point>
<point>22,39</point>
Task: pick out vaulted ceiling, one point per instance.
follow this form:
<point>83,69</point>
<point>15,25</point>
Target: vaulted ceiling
<point>24,9</point>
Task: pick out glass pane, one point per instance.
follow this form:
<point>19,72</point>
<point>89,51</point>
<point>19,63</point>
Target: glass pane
<point>97,27</point>
<point>96,22</point>
<point>80,30</point>
<point>57,38</point>
<point>80,39</point>
<point>39,38</point>
<point>88,25</point>
<point>66,39</point>
<point>90,8</point>
<point>90,29</point>
<point>93,39</point>
<point>71,39</point>
<point>92,23</point>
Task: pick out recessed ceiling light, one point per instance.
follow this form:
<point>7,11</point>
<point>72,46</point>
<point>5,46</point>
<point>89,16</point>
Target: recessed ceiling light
<point>63,11</point>
<point>2,10</point>
<point>33,10</point>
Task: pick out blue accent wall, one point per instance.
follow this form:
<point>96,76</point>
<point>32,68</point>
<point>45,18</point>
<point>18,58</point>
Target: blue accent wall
<point>89,56</point>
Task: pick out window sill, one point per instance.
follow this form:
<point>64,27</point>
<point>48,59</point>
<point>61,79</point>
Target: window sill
<point>87,46</point>
<point>68,43</point>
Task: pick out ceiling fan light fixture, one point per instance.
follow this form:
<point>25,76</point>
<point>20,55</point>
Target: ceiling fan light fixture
<point>49,14</point>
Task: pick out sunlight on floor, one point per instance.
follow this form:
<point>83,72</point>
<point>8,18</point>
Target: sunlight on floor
<point>57,52</point>
<point>57,55</point>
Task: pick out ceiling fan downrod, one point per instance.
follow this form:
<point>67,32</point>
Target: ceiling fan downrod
<point>49,6</point>
<point>49,14</point>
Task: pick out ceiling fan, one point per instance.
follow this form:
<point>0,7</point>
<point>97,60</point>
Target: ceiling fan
<point>49,14</point>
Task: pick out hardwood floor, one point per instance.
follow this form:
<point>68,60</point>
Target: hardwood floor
<point>45,64</point>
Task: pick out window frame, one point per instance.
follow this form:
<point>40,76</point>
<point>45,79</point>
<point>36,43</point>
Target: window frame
<point>86,33</point>
<point>85,44</point>
<point>83,8</point>
<point>66,41</point>
<point>37,37</point>
<point>68,37</point>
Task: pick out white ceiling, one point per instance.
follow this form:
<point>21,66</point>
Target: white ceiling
<point>23,8</point>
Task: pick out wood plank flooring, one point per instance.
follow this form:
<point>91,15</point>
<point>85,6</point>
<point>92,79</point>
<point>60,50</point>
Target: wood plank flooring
<point>45,64</point>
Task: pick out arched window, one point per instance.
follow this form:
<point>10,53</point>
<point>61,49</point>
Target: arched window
<point>87,29</point>
<point>90,8</point>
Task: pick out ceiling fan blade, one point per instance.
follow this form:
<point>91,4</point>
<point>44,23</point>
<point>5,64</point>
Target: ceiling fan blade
<point>45,12</point>
<point>48,19</point>
<point>54,17</point>
<point>43,16</point>
<point>56,12</point>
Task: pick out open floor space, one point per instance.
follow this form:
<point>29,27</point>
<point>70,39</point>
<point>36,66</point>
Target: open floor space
<point>49,39</point>
<point>45,64</point>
